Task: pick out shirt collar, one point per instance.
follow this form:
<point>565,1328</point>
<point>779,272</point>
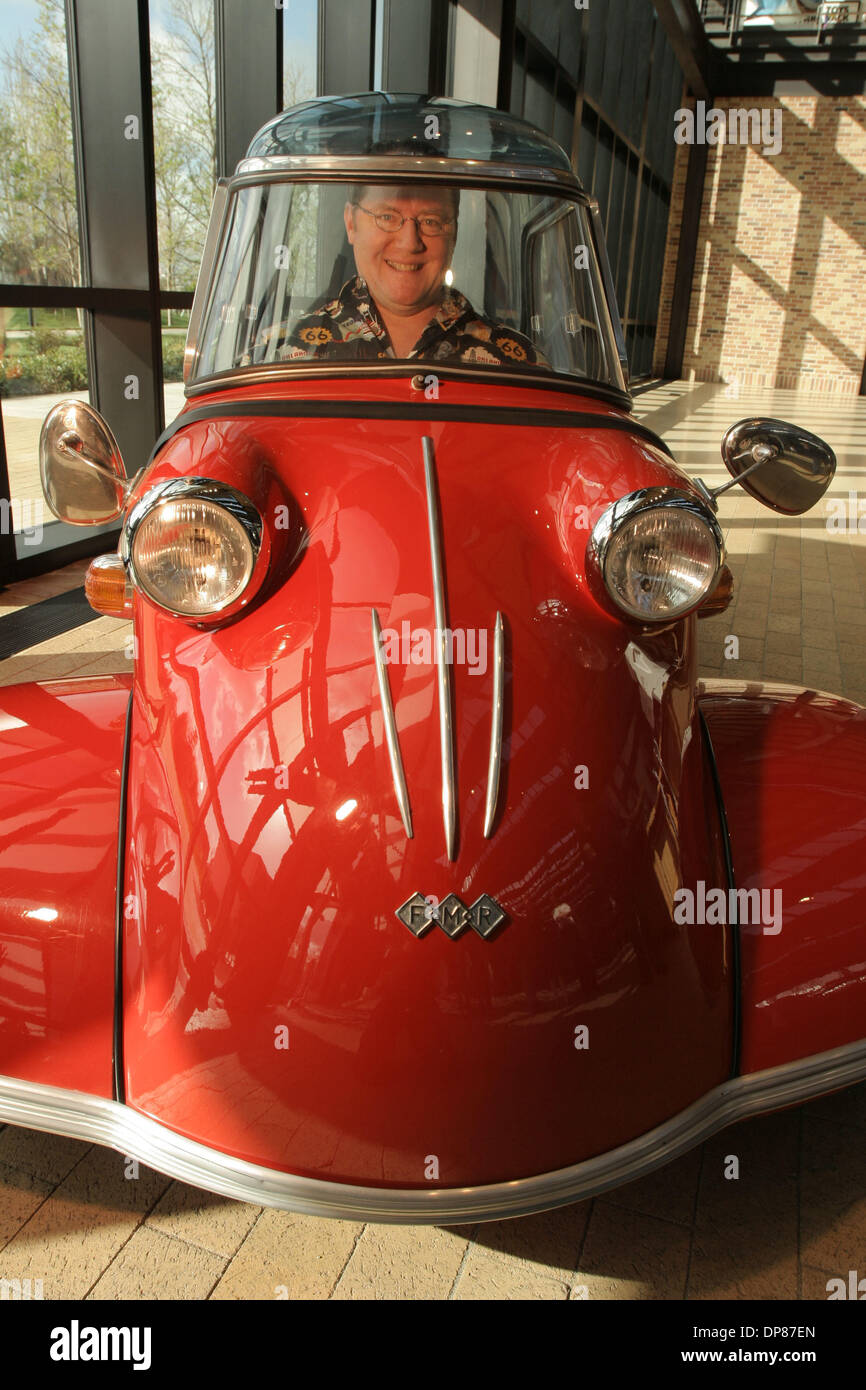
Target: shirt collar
<point>452,306</point>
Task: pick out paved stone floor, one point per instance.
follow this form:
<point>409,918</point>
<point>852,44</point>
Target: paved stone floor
<point>70,1216</point>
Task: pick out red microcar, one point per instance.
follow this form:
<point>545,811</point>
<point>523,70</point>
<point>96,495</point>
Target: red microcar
<point>411,874</point>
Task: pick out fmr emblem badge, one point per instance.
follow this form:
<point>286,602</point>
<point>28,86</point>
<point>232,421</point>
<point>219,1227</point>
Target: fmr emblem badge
<point>453,916</point>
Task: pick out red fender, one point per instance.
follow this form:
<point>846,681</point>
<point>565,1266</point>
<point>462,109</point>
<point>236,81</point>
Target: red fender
<point>61,754</point>
<point>792,765</point>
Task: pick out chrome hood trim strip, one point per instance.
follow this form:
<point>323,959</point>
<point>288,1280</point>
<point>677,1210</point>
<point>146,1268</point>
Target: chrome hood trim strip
<point>391,739</point>
<point>101,1121</point>
<point>494,766</point>
<point>443,670</point>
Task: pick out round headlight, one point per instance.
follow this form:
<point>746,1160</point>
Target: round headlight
<point>658,553</point>
<point>194,552</point>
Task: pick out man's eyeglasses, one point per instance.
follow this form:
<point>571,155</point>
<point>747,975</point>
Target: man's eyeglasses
<point>392,222</point>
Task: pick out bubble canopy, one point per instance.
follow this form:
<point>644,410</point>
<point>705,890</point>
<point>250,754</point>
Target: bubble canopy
<point>361,232</point>
<point>382,123</point>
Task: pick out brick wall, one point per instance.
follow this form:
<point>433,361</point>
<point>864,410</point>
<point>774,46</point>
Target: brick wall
<point>672,250</point>
<point>780,271</point>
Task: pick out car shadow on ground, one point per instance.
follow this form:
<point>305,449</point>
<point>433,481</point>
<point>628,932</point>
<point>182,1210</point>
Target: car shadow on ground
<point>770,1208</point>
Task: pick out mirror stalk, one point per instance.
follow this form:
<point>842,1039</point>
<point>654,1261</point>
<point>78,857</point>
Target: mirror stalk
<point>761,453</point>
<point>69,443</point>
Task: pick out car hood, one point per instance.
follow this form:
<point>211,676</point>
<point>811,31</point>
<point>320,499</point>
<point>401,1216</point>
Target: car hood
<point>276,1005</point>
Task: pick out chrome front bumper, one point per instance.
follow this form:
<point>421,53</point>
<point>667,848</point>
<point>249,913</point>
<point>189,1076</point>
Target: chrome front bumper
<point>107,1122</point>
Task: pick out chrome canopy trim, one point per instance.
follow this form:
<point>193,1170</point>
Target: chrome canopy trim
<point>213,237</point>
<point>443,672</point>
<point>427,167</point>
<point>494,767</point>
<point>484,373</point>
<point>100,1121</point>
<point>609,290</point>
<point>391,739</point>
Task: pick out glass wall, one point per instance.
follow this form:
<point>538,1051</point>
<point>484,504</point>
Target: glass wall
<point>39,242</point>
<point>42,347</point>
<point>604,81</point>
<point>300,50</point>
<point>109,139</point>
<point>183,76</point>
<point>43,360</point>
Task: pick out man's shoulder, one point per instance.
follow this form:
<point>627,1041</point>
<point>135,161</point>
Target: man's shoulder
<point>331,306</point>
<point>497,342</point>
<point>332,319</point>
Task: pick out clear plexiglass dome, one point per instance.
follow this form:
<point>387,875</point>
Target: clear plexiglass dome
<point>404,123</point>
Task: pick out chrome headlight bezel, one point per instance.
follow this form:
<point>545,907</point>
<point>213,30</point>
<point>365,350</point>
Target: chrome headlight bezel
<point>624,511</point>
<point>222,495</point>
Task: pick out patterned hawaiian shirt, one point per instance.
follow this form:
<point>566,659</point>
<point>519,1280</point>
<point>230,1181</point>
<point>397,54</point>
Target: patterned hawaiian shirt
<point>349,327</point>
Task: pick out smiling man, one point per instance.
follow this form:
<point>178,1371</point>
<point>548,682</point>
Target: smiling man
<point>399,304</point>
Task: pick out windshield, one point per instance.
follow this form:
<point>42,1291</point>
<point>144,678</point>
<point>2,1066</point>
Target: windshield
<point>429,273</point>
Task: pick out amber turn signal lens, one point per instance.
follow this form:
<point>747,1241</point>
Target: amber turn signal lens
<point>107,588</point>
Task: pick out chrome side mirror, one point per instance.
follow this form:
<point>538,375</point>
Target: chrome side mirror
<point>781,465</point>
<point>82,472</point>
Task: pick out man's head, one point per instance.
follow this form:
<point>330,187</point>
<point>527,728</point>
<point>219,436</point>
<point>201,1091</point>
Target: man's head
<point>404,268</point>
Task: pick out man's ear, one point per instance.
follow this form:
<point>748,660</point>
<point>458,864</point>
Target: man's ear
<point>349,219</point>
